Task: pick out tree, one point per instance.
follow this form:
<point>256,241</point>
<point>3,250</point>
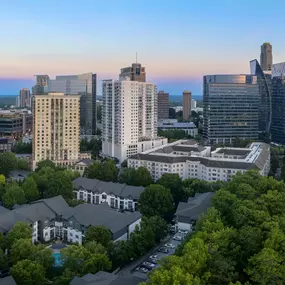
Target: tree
<point>142,177</point>
<point>27,272</point>
<point>45,163</point>
<point>106,171</point>
<point>79,260</point>
<point>8,162</point>
<point>30,189</point>
<point>2,179</point>
<point>267,267</point>
<point>100,234</point>
<point>22,249</point>
<point>20,230</point>
<point>121,253</point>
<point>155,200</point>
<point>21,147</point>
<point>127,176</point>
<point>14,194</point>
<point>173,182</point>
<point>23,164</point>
<point>43,256</point>
<point>3,260</point>
<point>157,225</point>
<point>95,247</point>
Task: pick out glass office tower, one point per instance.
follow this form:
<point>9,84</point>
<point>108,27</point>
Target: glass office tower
<point>278,103</point>
<point>231,108</point>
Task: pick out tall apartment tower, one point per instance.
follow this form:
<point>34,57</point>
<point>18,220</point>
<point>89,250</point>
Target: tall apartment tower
<point>231,108</point>
<point>187,98</point>
<point>129,118</point>
<point>266,57</point>
<point>84,85</point>
<point>56,128</point>
<point>135,72</point>
<point>25,98</point>
<point>278,103</point>
<point>162,105</point>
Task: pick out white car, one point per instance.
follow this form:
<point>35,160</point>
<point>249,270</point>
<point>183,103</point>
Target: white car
<point>179,238</point>
<point>170,245</point>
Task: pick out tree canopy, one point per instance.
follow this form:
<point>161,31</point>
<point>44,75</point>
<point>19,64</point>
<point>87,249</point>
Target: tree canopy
<point>136,177</point>
<point>106,171</point>
<point>240,240</point>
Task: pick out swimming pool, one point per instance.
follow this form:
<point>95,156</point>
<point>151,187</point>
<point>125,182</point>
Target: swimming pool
<point>57,259</point>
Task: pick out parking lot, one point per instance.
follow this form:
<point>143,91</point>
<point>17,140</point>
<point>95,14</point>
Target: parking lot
<point>152,261</point>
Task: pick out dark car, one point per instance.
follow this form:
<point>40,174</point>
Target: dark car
<point>4,273</point>
<point>163,250</point>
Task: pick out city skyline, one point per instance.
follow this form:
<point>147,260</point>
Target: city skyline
<point>178,43</point>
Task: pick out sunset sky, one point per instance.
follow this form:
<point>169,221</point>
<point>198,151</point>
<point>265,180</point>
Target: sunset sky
<point>177,41</point>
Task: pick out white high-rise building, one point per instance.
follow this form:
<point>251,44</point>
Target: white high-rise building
<point>56,128</point>
<point>129,118</point>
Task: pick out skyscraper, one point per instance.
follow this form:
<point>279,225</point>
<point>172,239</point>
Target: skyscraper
<point>162,105</point>
<point>264,86</point>
<point>56,133</point>
<point>266,57</point>
<point>278,103</point>
<point>135,72</point>
<point>84,85</point>
<point>187,97</point>
<point>25,98</point>
<point>129,118</point>
<point>231,108</point>
<point>41,85</point>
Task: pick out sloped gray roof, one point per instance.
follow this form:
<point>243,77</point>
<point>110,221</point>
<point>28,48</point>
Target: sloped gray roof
<point>57,204</point>
<point>105,278</point>
<point>9,280</point>
<point>3,210</point>
<point>117,189</point>
<point>97,215</point>
<point>8,219</point>
<point>194,207</point>
<point>229,151</point>
<point>86,161</point>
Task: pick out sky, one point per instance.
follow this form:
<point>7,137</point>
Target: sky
<point>177,41</point>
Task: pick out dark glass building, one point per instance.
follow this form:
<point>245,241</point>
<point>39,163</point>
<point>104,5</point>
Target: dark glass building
<point>231,108</point>
<point>264,86</point>
<point>278,103</point>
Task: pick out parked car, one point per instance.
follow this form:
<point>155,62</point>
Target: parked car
<point>163,250</point>
<point>179,238</point>
<point>142,269</point>
<point>153,256</point>
<point>149,264</point>
<point>153,260</point>
<point>4,273</point>
<point>170,245</point>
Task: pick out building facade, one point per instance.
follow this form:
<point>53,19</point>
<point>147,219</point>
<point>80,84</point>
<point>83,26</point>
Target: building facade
<point>56,128</point>
<point>15,123</point>
<point>84,85</point>
<point>189,128</point>
<point>231,108</point>
<point>266,59</point>
<point>116,195</point>
<point>129,118</point>
<point>278,103</point>
<point>41,86</point>
<point>25,98</point>
<point>162,105</point>
<point>189,160</point>
<point>187,98</point>
<point>52,219</point>
<point>265,100</point>
<point>135,72</point>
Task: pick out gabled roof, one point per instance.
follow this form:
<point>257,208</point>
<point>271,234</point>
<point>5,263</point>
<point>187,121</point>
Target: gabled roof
<point>3,210</point>
<point>86,161</point>
<point>57,204</point>
<point>9,280</point>
<point>194,207</point>
<point>105,278</point>
<point>117,189</point>
<point>100,215</point>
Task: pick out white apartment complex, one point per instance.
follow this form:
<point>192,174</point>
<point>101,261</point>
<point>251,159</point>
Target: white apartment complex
<point>189,160</point>
<point>56,128</point>
<point>189,128</point>
<point>129,118</point>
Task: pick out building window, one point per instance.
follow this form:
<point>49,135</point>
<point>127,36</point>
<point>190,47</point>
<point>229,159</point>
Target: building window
<point>104,196</point>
